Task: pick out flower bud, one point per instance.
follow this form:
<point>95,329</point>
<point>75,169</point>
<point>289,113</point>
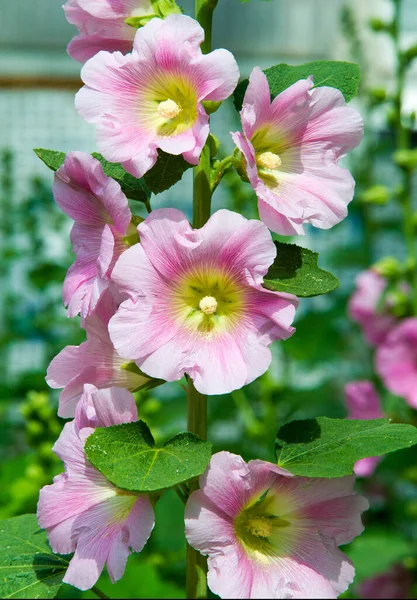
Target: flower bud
<point>377,194</point>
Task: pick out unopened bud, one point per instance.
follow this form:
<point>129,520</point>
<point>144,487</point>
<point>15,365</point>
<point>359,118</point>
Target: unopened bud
<point>377,194</point>
<point>388,267</point>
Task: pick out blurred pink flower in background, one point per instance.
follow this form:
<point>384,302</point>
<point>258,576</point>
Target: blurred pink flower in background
<point>268,534</point>
<point>84,513</point>
<point>152,98</point>
<point>363,402</point>
<point>95,361</point>
<point>396,361</point>
<point>291,149</point>
<point>102,25</point>
<point>195,302</point>
<point>363,308</point>
<point>102,216</point>
<point>395,584</point>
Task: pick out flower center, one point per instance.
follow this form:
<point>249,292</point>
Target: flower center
<point>269,160</point>
<point>208,305</point>
<point>169,109</point>
<point>259,526</point>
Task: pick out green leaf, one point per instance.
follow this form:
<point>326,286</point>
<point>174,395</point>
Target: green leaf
<point>295,270</point>
<point>167,171</point>
<point>344,76</point>
<point>134,188</point>
<point>52,158</point>
<point>28,567</point>
<point>127,457</point>
<point>325,447</point>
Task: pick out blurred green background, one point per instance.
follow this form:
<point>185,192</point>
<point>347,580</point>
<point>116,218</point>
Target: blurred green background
<point>37,85</point>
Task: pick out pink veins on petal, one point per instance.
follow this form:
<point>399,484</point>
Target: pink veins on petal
<point>151,98</point>
<point>194,301</point>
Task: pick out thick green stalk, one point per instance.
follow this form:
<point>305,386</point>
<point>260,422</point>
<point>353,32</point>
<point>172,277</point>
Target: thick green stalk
<point>196,564</point>
<point>403,142</point>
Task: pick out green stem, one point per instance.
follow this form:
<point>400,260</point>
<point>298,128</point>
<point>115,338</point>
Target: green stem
<point>196,564</point>
<point>403,142</point>
<point>99,593</point>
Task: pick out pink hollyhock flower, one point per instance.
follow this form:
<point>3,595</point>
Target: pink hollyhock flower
<point>84,513</point>
<point>363,307</point>
<point>395,584</point>
<point>152,97</point>
<point>94,361</point>
<point>268,534</point>
<point>102,25</point>
<point>102,216</point>
<point>195,302</point>
<point>396,361</point>
<point>363,403</point>
<point>291,149</point>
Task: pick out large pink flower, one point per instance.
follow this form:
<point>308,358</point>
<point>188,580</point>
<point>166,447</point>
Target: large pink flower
<point>290,153</point>
<point>152,97</point>
<point>102,26</point>
<point>396,360</point>
<point>94,361</point>
<point>195,303</point>
<point>102,217</point>
<point>365,307</point>
<point>84,513</point>
<point>363,402</point>
<point>268,534</point>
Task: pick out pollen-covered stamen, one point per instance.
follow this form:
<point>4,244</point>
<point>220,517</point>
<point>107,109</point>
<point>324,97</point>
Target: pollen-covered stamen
<point>208,305</point>
<point>169,109</point>
<point>269,160</point>
<point>259,526</point>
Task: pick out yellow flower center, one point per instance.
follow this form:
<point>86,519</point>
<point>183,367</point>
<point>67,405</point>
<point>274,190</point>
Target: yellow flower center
<point>169,109</point>
<point>260,526</point>
<point>269,160</point>
<point>208,305</point>
<point>208,300</point>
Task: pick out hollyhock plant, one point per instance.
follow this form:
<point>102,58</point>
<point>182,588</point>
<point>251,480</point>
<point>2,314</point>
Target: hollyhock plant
<point>95,361</point>
<point>152,98</point>
<point>195,302</point>
<point>84,513</point>
<point>102,217</point>
<point>364,308</point>
<point>363,403</point>
<point>396,361</point>
<point>102,25</point>
<point>268,534</point>
<point>290,153</point>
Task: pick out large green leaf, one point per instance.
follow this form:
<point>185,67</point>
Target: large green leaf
<point>127,456</point>
<point>325,447</point>
<point>295,271</point>
<point>344,76</point>
<point>134,188</point>
<point>166,172</point>
<point>28,568</point>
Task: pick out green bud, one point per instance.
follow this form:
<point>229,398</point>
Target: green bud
<point>239,164</point>
<point>377,194</point>
<point>214,145</point>
<point>410,54</point>
<point>150,406</point>
<point>161,9</point>
<point>34,472</point>
<point>210,106</point>
<point>138,22</point>
<point>377,24</point>
<point>34,429</point>
<point>378,94</point>
<point>406,159</point>
<point>398,303</point>
<point>388,267</point>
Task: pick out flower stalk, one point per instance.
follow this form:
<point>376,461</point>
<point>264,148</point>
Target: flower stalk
<point>196,564</point>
